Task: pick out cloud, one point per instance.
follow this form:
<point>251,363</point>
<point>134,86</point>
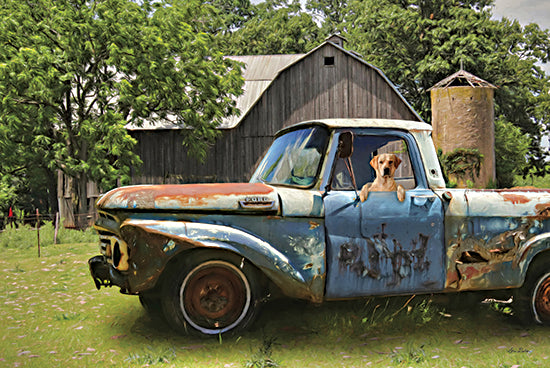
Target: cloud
<point>525,11</point>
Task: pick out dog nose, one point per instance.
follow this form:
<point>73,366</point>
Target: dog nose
<point>386,171</point>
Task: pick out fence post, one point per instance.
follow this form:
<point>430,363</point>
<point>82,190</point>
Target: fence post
<point>56,227</point>
<point>38,230</point>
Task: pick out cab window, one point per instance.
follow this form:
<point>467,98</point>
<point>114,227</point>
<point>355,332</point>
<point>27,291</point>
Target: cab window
<point>365,148</point>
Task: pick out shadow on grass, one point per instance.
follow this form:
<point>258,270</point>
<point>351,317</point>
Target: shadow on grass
<point>287,318</point>
<point>394,330</point>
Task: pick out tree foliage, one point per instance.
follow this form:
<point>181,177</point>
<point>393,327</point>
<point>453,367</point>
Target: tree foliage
<point>511,147</point>
<point>233,14</point>
<point>277,27</point>
<point>74,73</point>
<point>330,14</point>
<point>417,43</point>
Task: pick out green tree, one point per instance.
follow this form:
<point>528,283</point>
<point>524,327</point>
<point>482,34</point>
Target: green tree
<point>511,149</point>
<point>330,13</point>
<point>417,43</point>
<point>232,13</point>
<point>277,27</point>
<point>73,73</point>
<point>25,181</point>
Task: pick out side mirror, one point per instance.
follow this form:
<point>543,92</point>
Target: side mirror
<point>345,144</point>
<point>345,150</point>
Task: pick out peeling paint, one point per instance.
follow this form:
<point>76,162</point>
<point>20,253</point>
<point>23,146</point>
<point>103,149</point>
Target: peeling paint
<point>480,248</point>
<point>168,247</point>
<point>381,248</point>
<point>310,249</point>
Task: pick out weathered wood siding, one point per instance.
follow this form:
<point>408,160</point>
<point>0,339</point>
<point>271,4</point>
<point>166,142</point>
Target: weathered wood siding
<point>304,91</point>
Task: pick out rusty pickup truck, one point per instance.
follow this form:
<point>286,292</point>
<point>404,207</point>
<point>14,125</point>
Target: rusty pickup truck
<point>205,256</point>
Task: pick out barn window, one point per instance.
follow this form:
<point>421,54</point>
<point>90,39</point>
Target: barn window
<point>329,60</point>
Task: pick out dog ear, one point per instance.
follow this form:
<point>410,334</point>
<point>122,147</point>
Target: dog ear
<point>397,161</point>
<point>374,162</point>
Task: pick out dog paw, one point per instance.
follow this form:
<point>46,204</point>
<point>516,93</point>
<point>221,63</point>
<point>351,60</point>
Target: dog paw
<point>364,194</point>
<point>400,193</point>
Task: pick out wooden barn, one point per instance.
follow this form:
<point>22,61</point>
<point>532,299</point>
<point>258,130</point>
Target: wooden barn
<point>280,90</point>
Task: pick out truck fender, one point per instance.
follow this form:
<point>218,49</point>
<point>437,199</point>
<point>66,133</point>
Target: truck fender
<point>531,249</point>
<point>179,236</point>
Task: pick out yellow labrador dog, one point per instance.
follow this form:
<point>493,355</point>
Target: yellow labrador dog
<point>385,165</point>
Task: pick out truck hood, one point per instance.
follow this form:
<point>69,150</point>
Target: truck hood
<point>201,197</point>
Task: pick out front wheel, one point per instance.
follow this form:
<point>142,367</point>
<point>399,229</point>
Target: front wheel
<point>532,300</point>
<point>152,305</point>
<point>212,293</point>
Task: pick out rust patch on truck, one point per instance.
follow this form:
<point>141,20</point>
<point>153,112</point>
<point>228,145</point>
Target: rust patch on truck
<point>515,198</point>
<point>543,210</point>
<point>313,225</point>
<point>191,196</point>
<point>193,190</point>
<point>471,258</point>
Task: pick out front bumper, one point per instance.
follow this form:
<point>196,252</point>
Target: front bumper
<point>104,274</point>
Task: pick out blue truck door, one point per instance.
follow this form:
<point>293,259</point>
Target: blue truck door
<point>383,246</point>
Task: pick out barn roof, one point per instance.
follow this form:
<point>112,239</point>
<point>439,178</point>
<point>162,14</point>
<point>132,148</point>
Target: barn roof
<point>259,72</point>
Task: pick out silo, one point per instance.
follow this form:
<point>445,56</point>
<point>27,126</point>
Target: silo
<point>463,117</point>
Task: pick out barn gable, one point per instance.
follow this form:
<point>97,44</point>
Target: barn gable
<point>280,90</point>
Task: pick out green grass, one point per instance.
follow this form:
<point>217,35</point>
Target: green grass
<point>26,236</point>
<point>52,315</point>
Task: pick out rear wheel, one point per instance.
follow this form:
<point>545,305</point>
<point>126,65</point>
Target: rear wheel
<point>541,301</point>
<point>532,300</point>
<point>212,293</point>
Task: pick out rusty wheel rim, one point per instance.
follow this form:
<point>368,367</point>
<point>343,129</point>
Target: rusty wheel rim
<point>215,297</point>
<point>541,300</point>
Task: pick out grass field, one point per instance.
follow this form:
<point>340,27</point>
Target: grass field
<point>52,315</point>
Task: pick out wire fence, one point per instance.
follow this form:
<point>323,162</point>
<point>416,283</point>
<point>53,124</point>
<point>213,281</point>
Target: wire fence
<point>79,221</point>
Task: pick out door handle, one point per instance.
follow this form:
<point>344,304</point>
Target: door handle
<point>421,200</point>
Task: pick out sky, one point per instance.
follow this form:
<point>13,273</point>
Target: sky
<point>525,11</point>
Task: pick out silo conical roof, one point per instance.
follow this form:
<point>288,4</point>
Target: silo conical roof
<point>463,78</point>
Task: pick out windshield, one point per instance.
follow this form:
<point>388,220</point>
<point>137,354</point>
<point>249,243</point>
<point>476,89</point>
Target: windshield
<point>294,158</point>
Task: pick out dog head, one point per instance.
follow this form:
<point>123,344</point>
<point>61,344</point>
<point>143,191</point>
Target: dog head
<point>385,164</point>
